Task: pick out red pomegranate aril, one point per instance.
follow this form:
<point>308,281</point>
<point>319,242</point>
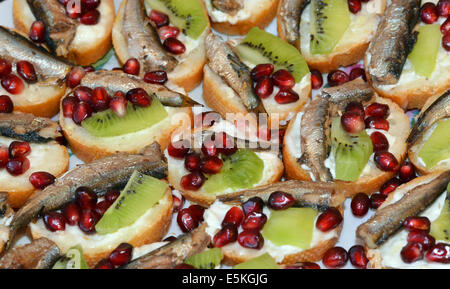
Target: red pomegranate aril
<point>88,69</point>
<point>159,18</point>
<point>429,13</point>
<point>228,234</point>
<point>412,252</point>
<point>178,149</point>
<point>283,79</point>
<point>192,181</point>
<point>360,204</point>
<point>303,265</point>
<point>100,99</point>
<point>6,104</point>
<point>280,200</point>
<point>379,142</point>
<point>73,11</point>
<point>417,224</point>
<point>81,111</point>
<point>356,73</point>
<point>378,110</point>
<point>254,221</point>
<point>211,165</point>
<point>225,144</point>
<point>264,87</point>
<point>118,104</point>
<point>352,122</point>
<point>90,4</point>
<point>13,84</point>
<point>132,66</point>
<point>19,149</point>
<point>54,221</point>
<point>178,202</point>
<point>354,6</point>
<point>316,79</point>
<point>251,239</point>
<point>75,76</point>
<point>376,200</point>
<point>358,257</point>
<point>192,162</point>
<point>254,204</point>
<point>168,32</point>
<point>422,237</point>
<point>68,106</point>
<point>385,161</point>
<point>37,31</point>
<point>377,123</point>
<point>439,253</point>
<point>86,198</point>
<point>104,264</point>
<point>139,97</point>
<point>286,95</point>
<point>445,27</point>
<point>389,186</point>
<point>121,255</point>
<point>88,220</point>
<point>63,2</point>
<point>83,93</point>
<point>174,46</point>
<point>156,77</point>
<point>186,220</point>
<point>40,180</point>
<point>234,216</point>
<point>72,213</point>
<point>26,70</point>
<point>406,172</point>
<point>197,211</point>
<point>209,148</point>
<point>329,219</point>
<point>4,156</point>
<point>446,42</point>
<point>5,67</point>
<point>102,207</point>
<point>261,70</point>
<point>355,107</point>
<point>18,165</point>
<point>90,17</point>
<point>337,77</point>
<point>111,196</point>
<point>443,7</point>
<point>184,266</point>
<point>335,258</point>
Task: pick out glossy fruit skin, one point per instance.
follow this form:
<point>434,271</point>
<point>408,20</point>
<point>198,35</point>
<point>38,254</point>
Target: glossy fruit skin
<point>132,66</point>
<point>264,87</point>
<point>111,196</point>
<point>378,110</point>
<point>156,77</point>
<point>104,264</point>
<point>280,200</point>
<point>352,122</point>
<point>18,165</point>
<point>91,17</point>
<point>427,241</point>
<point>337,77</point>
<point>356,73</point>
<point>254,221</point>
<point>251,239</point>
<point>4,156</point>
<point>178,203</point>
<point>377,123</point>
<point>121,255</point>
<point>360,204</point>
<point>390,186</point>
<point>358,257</point>
<point>429,13</point>
<point>54,221</point>
<point>283,79</point>
<point>186,220</point>
<point>26,70</point>
<point>174,46</point>
<point>6,104</point>
<point>72,213</point>
<point>225,144</point>
<point>209,148</point>
<point>329,219</point>
<point>446,42</point>
<point>417,224</point>
<point>192,181</point>
<point>228,234</point>
<point>254,204</point>
<point>75,76</point>
<point>100,99</point>
<point>88,220</point>
<point>86,198</point>
<point>178,149</point>
<point>385,161</point>
<point>83,93</point>
<point>90,4</point>
<point>197,211</point>
<point>102,207</point>
<point>376,200</point>
<point>13,84</point>
<point>40,180</point>
<point>286,95</point>
<point>261,70</point>
<point>81,111</point>
<point>192,162</point>
<point>303,265</point>
<point>19,149</point>
<point>316,79</point>
<point>211,165</point>
<point>37,31</point>
<point>139,97</point>
<point>443,8</point>
<point>412,252</point>
<point>88,68</point>
<point>379,142</point>
<point>354,6</point>
<point>335,258</point>
<point>234,216</point>
<point>439,253</point>
<point>5,67</point>
<point>118,104</point>
<point>168,32</point>
<point>406,172</point>
<point>445,27</point>
<point>355,107</point>
<point>159,18</point>
<point>68,106</point>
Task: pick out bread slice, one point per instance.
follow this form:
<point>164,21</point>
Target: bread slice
<point>255,13</point>
<point>189,72</point>
<point>368,182</point>
<point>90,44</point>
<point>150,227</point>
<point>351,47</point>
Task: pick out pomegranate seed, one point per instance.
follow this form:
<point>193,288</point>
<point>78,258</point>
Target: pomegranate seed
<point>429,13</point>
<point>358,257</point>
<point>192,181</point>
<point>412,252</point>
<point>156,77</point>
<point>251,239</point>
<point>376,200</point>
<point>355,107</point>
<point>357,72</point>
<point>304,265</point>
<point>159,18</point>
<point>264,87</point>
<point>81,111</point>
<point>286,95</point>
<point>379,142</point>
<point>6,104</point>
<point>280,200</point>
<point>121,255</point>
<point>283,79</point>
<point>422,237</point>
<point>111,196</point>
<point>18,165</point>
<point>360,204</point>
<point>390,186</point>
<point>197,212</point>
<point>354,6</point>
<point>378,110</point>
<point>174,46</point>
<point>19,149</point>
<point>88,69</point>
<point>192,162</point>
<point>63,2</point>
<point>337,77</point>
<point>234,216</point>
<point>439,253</point>
<point>178,203</point>
<point>329,219</point>
<point>68,106</point>
<point>186,220</point>
<point>72,213</point>
<point>83,93</point>
<point>254,221</point>
<point>225,144</point>
<point>261,70</point>
<point>170,239</point>
<point>139,97</point>
<point>88,219</point>
<point>446,42</point>
<point>209,148</point>
<point>443,8</point>
<point>168,32</point>
<point>184,266</point>
<point>54,221</point>
<point>417,224</point>
<point>75,76</point>
<point>406,172</point>
<point>73,11</point>
<point>104,264</point>
<point>100,99</point>
<point>178,149</point>
<point>211,165</point>
<point>335,258</point>
<point>86,198</point>
<point>352,122</point>
<point>102,207</point>
<point>5,68</point>
<point>37,31</point>
<point>377,123</point>
<point>118,105</point>
<point>316,79</point>
<point>13,84</point>
<point>90,18</point>
<point>132,66</point>
<point>40,180</point>
<point>228,234</point>
<point>4,156</point>
<point>254,204</point>
<point>445,27</point>
<point>90,4</point>
<point>385,161</point>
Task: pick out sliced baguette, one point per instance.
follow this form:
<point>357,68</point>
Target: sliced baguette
<point>90,44</point>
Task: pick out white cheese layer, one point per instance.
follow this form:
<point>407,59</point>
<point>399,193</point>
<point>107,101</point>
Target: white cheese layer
<point>250,6</point>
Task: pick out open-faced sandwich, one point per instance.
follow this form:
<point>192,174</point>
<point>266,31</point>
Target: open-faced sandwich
<point>410,230</point>
<point>329,33</point>
<point>347,135</point>
<point>79,31</point>
<point>408,59</point>
<point>259,74</point>
<point>113,111</point>
<point>163,36</point>
<point>237,17</point>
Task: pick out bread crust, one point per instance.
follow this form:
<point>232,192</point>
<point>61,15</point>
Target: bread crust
<point>47,108</point>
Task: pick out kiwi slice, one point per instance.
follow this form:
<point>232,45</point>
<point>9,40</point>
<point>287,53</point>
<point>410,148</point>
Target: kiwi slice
<point>440,228</point>
<point>208,259</point>
<point>140,194</point>
<point>108,124</point>
<point>260,46</point>
<point>424,53</point>
<point>437,147</point>
<point>241,170</point>
<point>265,261</point>
<point>188,15</point>
<point>73,259</point>
<point>351,152</point>
<point>329,19</point>
<point>294,226</point>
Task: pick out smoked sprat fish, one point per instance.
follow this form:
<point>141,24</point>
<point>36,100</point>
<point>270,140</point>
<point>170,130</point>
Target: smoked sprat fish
<point>228,6</point>
<point>290,12</point>
<point>39,254</point>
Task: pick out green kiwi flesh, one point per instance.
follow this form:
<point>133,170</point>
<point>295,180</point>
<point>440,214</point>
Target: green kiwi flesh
<point>73,259</point>
<point>265,261</point>
<point>437,147</point>
<point>440,228</point>
<point>208,259</point>
<point>424,53</point>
